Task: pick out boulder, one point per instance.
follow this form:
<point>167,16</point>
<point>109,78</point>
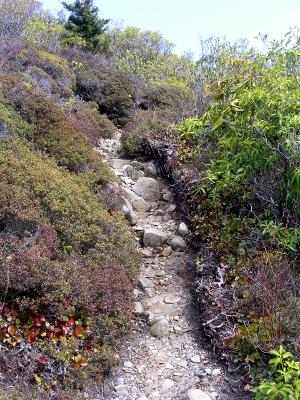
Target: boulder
<point>144,283</point>
<point>177,243</point>
<point>154,237</point>
<point>183,230</point>
<point>130,172</point>
<point>196,394</point>
<point>150,169</point>
<point>118,163</point>
<point>129,214</point>
<point>138,203</point>
<point>147,188</point>
<point>159,328</point>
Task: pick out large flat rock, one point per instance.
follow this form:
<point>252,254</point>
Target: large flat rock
<point>160,308</point>
<point>147,188</point>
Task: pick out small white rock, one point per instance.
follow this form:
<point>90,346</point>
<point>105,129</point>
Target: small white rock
<point>128,364</point>
<point>168,384</point>
<point>216,372</point>
<point>195,359</point>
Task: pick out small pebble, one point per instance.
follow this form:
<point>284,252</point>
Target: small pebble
<point>128,364</point>
<point>195,359</point>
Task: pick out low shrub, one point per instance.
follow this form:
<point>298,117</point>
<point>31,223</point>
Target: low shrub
<point>111,90</point>
<point>86,119</point>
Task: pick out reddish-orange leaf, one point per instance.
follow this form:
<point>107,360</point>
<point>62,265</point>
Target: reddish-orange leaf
<point>6,310</point>
<point>2,333</point>
<point>32,333</point>
<point>43,360</point>
<point>39,320</point>
<point>84,362</point>
<point>49,334</point>
<point>12,330</point>
<point>87,329</point>
<point>78,329</point>
<point>19,338</point>
<point>71,321</point>
<point>65,330</point>
<point>97,349</point>
<point>101,374</point>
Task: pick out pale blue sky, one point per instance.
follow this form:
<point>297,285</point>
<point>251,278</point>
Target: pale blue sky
<point>182,21</point>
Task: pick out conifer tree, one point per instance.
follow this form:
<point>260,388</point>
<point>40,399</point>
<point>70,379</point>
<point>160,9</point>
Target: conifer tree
<point>84,21</point>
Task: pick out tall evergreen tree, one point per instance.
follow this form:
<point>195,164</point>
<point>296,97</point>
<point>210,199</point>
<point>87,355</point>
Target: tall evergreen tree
<point>84,21</point>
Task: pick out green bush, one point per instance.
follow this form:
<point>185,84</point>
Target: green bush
<point>86,119</point>
<point>285,383</point>
<point>111,90</point>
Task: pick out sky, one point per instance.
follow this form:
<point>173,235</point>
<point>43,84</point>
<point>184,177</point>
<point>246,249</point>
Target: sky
<point>184,21</point>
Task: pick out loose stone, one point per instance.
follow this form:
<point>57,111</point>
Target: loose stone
<point>144,283</point>
<point>166,251</point>
<point>216,372</point>
<point>168,384</point>
<point>195,359</point>
<point>140,369</point>
<point>128,364</point>
<point>138,308</point>
<point>164,283</point>
<point>146,253</point>
<point>154,237</point>
<point>177,243</point>
<point>160,328</point>
<point>196,394</point>
<point>183,230</point>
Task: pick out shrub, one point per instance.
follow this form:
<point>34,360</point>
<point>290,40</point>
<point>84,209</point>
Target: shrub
<point>112,90</point>
<point>163,96</point>
<point>86,119</point>
<point>285,373</point>
<point>57,67</point>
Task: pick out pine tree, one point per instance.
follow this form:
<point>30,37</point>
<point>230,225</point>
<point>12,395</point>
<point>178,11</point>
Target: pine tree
<point>84,21</point>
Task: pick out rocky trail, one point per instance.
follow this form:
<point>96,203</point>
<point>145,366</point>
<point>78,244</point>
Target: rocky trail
<point>163,358</point>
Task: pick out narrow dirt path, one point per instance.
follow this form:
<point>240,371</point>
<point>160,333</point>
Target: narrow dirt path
<point>162,358</point>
